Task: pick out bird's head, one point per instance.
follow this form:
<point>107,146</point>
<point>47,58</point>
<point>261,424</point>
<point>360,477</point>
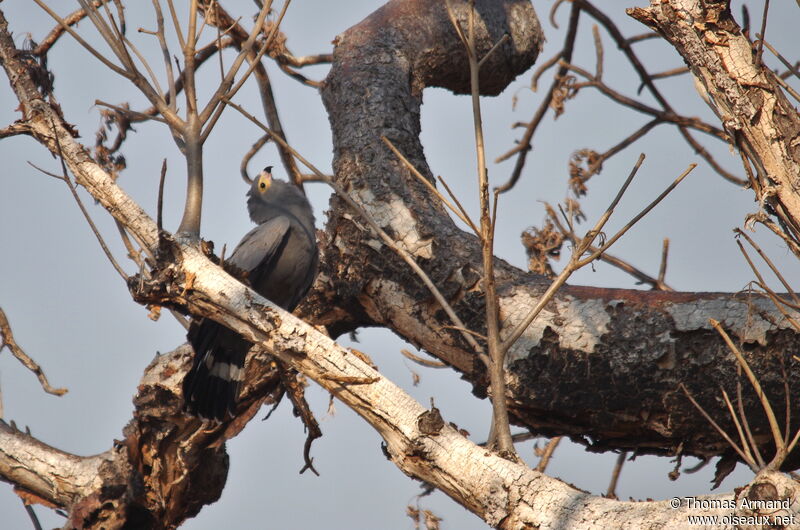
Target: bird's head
<point>267,197</point>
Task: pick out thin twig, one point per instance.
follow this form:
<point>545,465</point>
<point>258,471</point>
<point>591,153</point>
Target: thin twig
<point>8,341</point>
<point>780,452</point>
<point>500,423</point>
<point>720,430</point>
<point>458,211</point>
<point>499,43</point>
<point>84,211</point>
<point>663,115</point>
<point>598,50</point>
<point>254,149</point>
<point>762,33</point>
<point>641,276</point>
<point>745,445</point>
<point>572,266</point>
<point>524,144</point>
<point>746,424</point>
<point>547,454</point>
<point>662,270</point>
<point>624,45</point>
<point>32,514</point>
<point>636,218</point>
<point>160,204</point>
<point>304,60</point>
<point>419,360</point>
<point>611,492</point>
<point>142,116</point>
<point>162,41</point>
<point>113,67</point>
<point>789,66</point>
<point>70,20</point>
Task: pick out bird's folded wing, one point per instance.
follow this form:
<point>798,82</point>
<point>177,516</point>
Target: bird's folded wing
<point>261,245</point>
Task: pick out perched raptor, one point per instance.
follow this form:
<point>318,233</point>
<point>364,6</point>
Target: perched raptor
<point>280,258</point>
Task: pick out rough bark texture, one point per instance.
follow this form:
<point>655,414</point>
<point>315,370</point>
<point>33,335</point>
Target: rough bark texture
<point>601,365</point>
<point>609,360</point>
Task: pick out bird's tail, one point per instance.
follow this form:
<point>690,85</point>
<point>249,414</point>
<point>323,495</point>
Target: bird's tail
<point>211,387</point>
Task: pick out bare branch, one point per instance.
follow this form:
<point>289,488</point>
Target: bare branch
<point>8,342</point>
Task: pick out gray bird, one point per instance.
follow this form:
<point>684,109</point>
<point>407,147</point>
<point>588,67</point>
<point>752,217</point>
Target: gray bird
<point>280,258</point>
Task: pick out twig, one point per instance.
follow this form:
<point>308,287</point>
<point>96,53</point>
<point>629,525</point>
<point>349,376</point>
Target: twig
<point>84,211</point>
<point>662,270</point>
<point>598,50</point>
<point>8,341</point>
<point>142,116</point>
<point>597,164</point>
<point>32,514</point>
<point>641,276</point>
<point>494,48</point>
<point>611,492</point>
<point>460,212</point>
<point>524,144</point>
<point>636,218</point>
<point>304,60</point>
<point>575,260</point>
<point>500,423</point>
<point>780,452</point>
<point>160,204</point>
<point>771,265</point>
<point>70,20</point>
<point>746,424</point>
<point>419,360</point>
<point>240,36</point>
<point>720,430</point>
<point>162,41</point>
<point>553,11</point>
<point>547,454</point>
<point>176,24</point>
<point>789,66</point>
<point>785,86</point>
<point>665,74</point>
<point>571,267</point>
<point>762,32</point>
<point>662,115</point>
<point>297,76</point>
<point>745,444</point>
<point>642,37</point>
<point>254,149</point>
<point>545,66</point>
<point>113,67</point>
<point>646,78</point>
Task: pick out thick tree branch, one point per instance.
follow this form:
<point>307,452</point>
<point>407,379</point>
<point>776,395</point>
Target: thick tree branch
<point>161,488</point>
<point>601,365</point>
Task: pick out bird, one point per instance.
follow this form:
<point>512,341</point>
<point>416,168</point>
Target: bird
<point>280,258</point>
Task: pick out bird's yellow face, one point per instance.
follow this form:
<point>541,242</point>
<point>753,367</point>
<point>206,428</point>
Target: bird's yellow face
<point>264,182</point>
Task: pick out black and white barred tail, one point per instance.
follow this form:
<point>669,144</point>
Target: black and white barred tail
<point>211,388</point>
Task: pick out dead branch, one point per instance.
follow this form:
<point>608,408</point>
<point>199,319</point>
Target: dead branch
<point>8,342</point>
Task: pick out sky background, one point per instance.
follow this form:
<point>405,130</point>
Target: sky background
<point>73,314</point>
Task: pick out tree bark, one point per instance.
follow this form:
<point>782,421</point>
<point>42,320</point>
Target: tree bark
<point>600,365</point>
<point>169,465</point>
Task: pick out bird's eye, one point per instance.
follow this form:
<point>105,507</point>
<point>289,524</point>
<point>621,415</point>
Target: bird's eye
<point>262,186</point>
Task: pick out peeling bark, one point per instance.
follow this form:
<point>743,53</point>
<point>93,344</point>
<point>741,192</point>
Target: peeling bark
<point>601,363</point>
